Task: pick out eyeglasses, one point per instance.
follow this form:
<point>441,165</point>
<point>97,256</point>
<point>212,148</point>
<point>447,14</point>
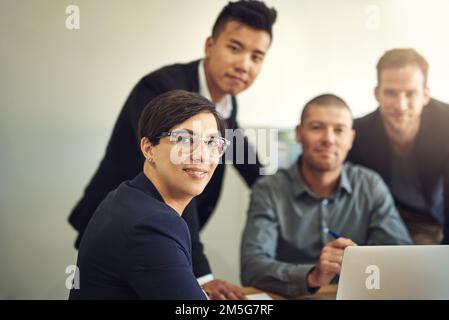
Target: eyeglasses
<point>189,142</point>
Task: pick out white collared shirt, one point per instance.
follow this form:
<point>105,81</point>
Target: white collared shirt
<point>224,106</point>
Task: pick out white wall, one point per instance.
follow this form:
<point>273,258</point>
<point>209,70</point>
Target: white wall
<point>61,92</point>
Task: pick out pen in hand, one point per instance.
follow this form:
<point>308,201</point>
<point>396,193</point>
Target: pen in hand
<point>334,234</point>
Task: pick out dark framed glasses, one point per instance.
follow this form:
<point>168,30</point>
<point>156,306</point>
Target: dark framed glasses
<point>189,142</point>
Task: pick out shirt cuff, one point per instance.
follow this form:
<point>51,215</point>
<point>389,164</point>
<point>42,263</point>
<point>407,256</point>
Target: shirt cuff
<point>297,285</point>
<point>312,290</point>
<point>205,279</point>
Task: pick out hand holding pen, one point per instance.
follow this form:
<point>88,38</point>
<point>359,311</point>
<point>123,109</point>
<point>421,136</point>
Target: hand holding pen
<point>329,263</point>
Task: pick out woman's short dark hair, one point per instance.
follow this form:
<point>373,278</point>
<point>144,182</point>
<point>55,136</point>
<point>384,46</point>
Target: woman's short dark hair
<point>171,108</point>
<point>252,13</point>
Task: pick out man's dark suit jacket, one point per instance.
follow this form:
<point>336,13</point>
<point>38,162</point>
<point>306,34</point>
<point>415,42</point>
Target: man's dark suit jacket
<point>123,159</point>
<point>136,247</point>
<point>431,151</point>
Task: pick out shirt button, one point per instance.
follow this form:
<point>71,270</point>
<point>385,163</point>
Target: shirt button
<point>324,202</point>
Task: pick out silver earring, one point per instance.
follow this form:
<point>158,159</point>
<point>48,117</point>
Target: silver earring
<point>150,159</point>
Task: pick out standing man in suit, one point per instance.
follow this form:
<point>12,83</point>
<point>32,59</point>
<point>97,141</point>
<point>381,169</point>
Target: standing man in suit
<point>406,140</point>
<point>234,54</point>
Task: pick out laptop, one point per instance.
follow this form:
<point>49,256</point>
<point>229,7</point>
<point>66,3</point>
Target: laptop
<point>394,272</point>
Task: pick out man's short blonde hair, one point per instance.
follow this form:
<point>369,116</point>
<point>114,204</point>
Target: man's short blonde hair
<point>400,58</point>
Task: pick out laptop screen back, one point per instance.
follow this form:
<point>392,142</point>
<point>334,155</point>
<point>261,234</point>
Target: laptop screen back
<point>394,272</point>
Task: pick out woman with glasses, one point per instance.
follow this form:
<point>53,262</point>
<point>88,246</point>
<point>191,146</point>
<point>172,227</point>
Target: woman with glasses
<point>136,245</point>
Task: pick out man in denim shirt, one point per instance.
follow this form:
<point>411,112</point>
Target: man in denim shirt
<point>287,247</point>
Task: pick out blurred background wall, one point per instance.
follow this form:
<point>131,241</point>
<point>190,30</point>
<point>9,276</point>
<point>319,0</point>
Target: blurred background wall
<point>61,91</point>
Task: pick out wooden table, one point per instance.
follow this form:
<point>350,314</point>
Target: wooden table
<point>251,290</point>
<point>325,292</point>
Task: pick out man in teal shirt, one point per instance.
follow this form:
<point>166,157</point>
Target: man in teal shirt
<point>291,244</point>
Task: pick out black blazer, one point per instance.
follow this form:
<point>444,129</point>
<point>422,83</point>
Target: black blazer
<point>136,247</point>
<point>431,151</point>
<point>123,159</point>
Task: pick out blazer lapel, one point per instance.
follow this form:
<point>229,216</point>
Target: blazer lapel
<point>380,147</point>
